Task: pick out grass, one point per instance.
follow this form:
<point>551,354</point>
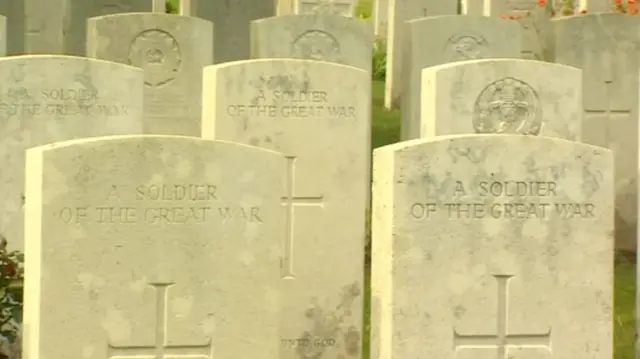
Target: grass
<point>386,130</point>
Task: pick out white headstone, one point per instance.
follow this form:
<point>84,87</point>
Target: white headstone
<point>45,99</point>
<point>172,50</point>
<point>318,115</point>
<point>152,247</point>
<point>501,96</point>
<point>451,38</point>
<point>480,246</point>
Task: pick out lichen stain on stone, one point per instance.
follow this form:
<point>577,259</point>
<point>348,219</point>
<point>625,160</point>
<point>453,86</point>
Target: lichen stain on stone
<point>328,325</point>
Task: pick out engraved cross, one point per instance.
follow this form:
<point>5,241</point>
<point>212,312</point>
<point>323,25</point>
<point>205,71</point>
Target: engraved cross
<point>501,340</point>
<point>608,111</point>
<point>290,202</point>
<point>160,349</point>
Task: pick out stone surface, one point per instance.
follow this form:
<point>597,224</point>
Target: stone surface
<point>472,7</point>
<point>317,114</point>
<point>231,23</point>
<point>44,99</point>
<point>153,246</point>
<point>381,19</point>
<point>404,10</point>
<point>501,96</point>
<point>285,7</point>
<point>34,26</point>
<point>480,244</point>
<point>505,7</point>
<point>605,47</point>
<point>333,38</point>
<point>451,38</point>
<point>3,35</point>
<point>81,10</point>
<point>594,6</point>
<point>172,50</point>
<point>336,7</point>
<point>13,11</point>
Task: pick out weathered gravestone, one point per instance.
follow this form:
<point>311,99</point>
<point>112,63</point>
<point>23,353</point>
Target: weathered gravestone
<point>606,48</point>
<point>480,244</point>
<point>333,38</point>
<point>318,115</point>
<point>231,22</point>
<point>81,10</point>
<point>3,35</point>
<point>381,19</point>
<point>501,96</point>
<point>172,50</point>
<point>336,7</point>
<point>13,11</point>
<point>35,26</point>
<point>152,246</point>
<point>401,11</point>
<point>45,99</point>
<point>449,39</point>
<point>508,7</point>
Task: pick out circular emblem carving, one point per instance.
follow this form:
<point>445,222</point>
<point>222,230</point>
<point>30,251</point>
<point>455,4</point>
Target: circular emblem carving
<point>467,47</point>
<point>158,54</point>
<point>316,45</point>
<point>508,106</point>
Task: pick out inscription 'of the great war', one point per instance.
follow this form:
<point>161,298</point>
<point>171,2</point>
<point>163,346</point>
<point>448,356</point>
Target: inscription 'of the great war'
<point>293,104</point>
<point>19,101</point>
<point>161,204</point>
<point>506,200</point>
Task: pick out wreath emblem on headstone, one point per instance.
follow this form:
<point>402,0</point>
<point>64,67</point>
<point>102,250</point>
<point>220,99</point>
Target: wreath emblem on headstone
<point>316,45</point>
<point>466,46</point>
<point>158,54</point>
<point>508,105</point>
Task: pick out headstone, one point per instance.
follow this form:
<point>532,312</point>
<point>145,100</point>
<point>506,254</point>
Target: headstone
<point>231,21</point>
<point>473,7</point>
<point>286,7</point>
<point>480,245</point>
<point>605,47</point>
<point>331,38</point>
<point>34,27</point>
<point>337,7</point>
<point>81,10</point>
<point>501,96</point>
<point>13,11</point>
<point>45,99</point>
<point>451,38</point>
<point>404,10</point>
<point>318,115</point>
<point>167,246</point>
<point>507,7</point>
<point>598,6</point>
<point>3,36</point>
<point>381,19</point>
<point>172,50</point>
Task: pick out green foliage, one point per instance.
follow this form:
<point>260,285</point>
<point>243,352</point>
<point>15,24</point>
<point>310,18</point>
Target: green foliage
<point>379,61</point>
<point>173,6</point>
<point>11,275</point>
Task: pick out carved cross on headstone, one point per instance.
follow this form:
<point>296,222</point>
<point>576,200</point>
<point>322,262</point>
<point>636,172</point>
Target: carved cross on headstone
<point>291,201</point>
<point>502,340</point>
<point>160,349</point>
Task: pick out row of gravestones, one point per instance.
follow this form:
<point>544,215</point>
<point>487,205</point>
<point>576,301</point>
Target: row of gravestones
<point>59,26</point>
<point>178,246</point>
<point>122,206</point>
<point>598,105</point>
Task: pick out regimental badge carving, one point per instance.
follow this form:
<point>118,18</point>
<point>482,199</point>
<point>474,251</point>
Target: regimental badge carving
<point>508,106</point>
<point>158,54</point>
<point>316,45</point>
<point>467,47</point>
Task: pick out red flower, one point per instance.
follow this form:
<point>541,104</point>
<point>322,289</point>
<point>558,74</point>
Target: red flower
<point>542,3</point>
